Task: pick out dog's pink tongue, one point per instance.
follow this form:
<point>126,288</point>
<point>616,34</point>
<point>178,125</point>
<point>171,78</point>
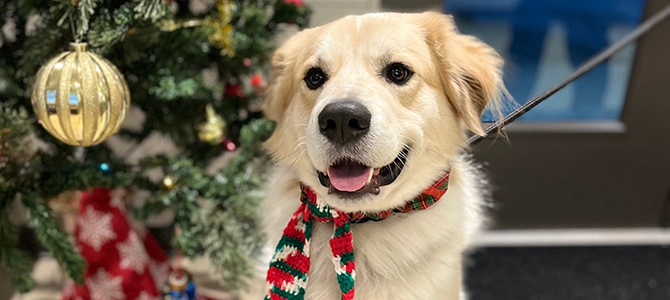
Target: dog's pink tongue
<point>349,176</point>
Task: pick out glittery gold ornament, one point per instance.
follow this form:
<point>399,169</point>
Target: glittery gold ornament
<point>222,37</point>
<point>223,30</point>
<point>79,97</point>
<point>213,129</point>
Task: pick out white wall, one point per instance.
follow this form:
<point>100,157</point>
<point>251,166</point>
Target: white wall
<point>325,11</point>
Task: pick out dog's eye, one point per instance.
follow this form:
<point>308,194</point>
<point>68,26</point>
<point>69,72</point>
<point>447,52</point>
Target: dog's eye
<point>315,78</point>
<point>398,73</point>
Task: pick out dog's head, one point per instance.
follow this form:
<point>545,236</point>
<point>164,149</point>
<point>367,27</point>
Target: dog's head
<point>371,109</point>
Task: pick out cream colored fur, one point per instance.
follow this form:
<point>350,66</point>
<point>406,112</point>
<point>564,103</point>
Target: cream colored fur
<point>411,256</point>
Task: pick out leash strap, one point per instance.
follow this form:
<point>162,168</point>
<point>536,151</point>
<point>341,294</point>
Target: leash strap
<point>594,61</point>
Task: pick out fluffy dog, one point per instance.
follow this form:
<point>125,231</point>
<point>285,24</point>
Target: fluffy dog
<point>371,110</point>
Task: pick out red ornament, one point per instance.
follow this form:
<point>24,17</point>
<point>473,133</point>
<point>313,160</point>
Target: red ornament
<point>247,62</point>
<point>230,145</point>
<point>256,80</point>
<point>297,3</point>
<point>234,90</point>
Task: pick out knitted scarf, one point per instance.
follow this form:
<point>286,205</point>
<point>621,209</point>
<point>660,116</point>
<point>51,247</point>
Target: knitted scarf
<point>287,276</point>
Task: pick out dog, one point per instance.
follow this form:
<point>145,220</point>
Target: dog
<point>370,111</point>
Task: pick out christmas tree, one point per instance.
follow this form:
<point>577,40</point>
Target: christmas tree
<point>195,72</point>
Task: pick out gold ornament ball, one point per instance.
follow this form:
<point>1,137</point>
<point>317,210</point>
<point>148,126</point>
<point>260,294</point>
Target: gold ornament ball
<point>80,97</point>
<point>213,129</point>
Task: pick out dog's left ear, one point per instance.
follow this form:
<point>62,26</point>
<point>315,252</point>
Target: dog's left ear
<point>469,70</point>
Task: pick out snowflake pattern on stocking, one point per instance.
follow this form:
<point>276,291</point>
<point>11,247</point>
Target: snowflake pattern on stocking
<point>146,296</point>
<point>68,289</point>
<point>159,271</point>
<point>122,258</point>
<point>133,255</point>
<point>102,286</point>
<point>95,228</point>
<point>117,201</point>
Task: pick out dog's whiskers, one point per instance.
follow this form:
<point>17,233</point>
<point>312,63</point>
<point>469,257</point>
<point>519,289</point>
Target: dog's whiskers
<point>441,157</point>
<point>295,144</point>
<point>294,162</point>
<point>298,158</point>
<point>298,147</point>
<point>300,125</point>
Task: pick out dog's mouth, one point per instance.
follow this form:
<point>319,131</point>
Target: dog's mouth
<point>350,179</point>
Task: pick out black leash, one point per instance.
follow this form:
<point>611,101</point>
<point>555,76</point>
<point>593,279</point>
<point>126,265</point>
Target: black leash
<point>640,31</point>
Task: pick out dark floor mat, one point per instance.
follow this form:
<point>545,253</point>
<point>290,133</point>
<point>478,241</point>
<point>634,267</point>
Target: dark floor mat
<point>561,273</point>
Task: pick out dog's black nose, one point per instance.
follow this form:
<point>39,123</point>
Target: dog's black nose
<point>344,121</point>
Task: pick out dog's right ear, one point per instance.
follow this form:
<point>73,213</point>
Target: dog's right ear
<point>284,79</point>
<point>470,71</point>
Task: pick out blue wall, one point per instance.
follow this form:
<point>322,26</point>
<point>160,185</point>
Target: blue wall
<point>543,41</point>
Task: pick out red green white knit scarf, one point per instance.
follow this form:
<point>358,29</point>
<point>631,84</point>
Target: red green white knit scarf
<point>287,276</point>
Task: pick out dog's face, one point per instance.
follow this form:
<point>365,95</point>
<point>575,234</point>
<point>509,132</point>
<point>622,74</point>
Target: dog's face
<point>371,109</point>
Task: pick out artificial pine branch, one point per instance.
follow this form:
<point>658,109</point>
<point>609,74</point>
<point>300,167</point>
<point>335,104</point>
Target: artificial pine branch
<point>188,236</point>
<point>37,49</point>
<point>151,10</point>
<point>85,10</point>
<point>231,243</point>
<point>110,28</point>
<point>47,231</point>
<point>231,223</point>
<point>18,267</point>
<point>16,263</point>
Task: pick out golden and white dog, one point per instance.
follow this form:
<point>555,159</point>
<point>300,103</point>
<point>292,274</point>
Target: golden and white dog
<point>371,110</point>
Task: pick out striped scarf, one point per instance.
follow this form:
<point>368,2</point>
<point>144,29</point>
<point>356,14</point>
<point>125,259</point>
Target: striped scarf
<point>287,276</point>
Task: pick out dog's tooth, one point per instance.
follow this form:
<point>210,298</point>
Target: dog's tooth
<point>370,173</point>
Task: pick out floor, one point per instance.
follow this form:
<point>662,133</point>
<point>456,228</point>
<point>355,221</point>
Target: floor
<point>560,273</point>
